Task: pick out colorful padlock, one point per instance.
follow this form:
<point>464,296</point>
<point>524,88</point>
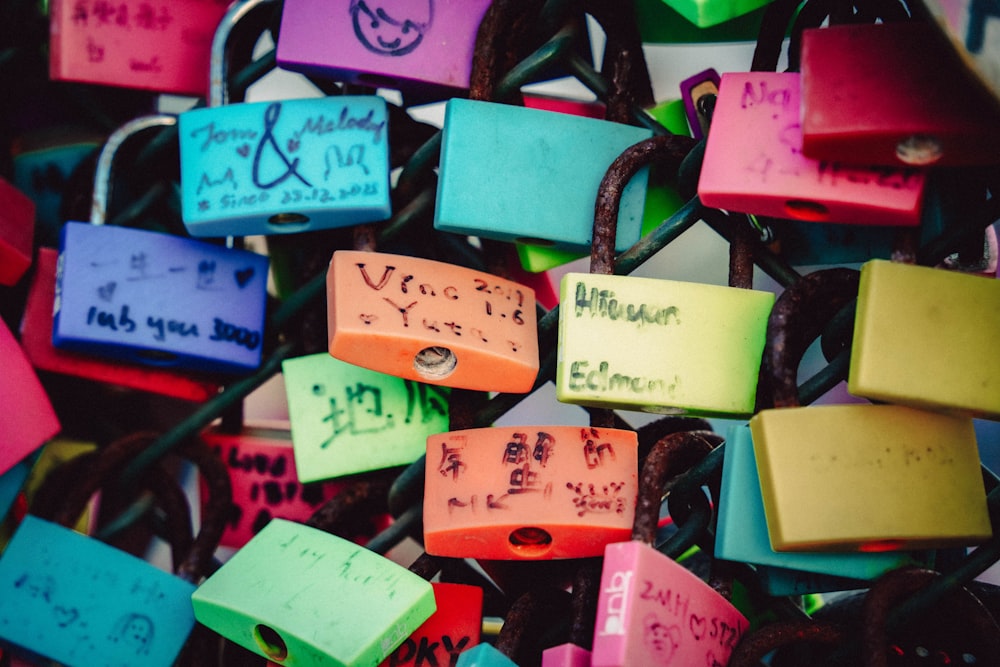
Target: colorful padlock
<point>763,171</point>
<point>431,322</point>
<point>160,46</point>
<point>326,602</point>
<point>281,166</point>
<point>454,628</point>
<point>926,337</point>
<point>809,457</point>
<point>851,115</point>
<point>529,492</point>
<point>31,419</point>
<point>652,610</point>
<point>346,419</point>
<point>36,339</point>
<point>524,179</point>
<point>17,233</point>
<point>261,466</point>
<point>425,45</point>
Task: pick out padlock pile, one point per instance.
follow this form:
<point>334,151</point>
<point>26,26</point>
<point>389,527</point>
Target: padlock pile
<point>395,277</point>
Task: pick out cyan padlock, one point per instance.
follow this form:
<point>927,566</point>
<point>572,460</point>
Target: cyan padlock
<point>926,337</point>
<point>281,166</point>
<point>529,492</point>
<point>17,233</point>
<point>36,339</point>
<point>754,163</point>
<point>424,45</point>
<point>451,630</point>
<point>31,419</point>
<point>76,600</point>
<point>298,595</point>
<point>346,419</point>
<point>651,610</point>
<point>850,115</point>
<point>431,322</point>
<point>707,13</point>
<point>261,464</point>
<point>741,533</point>
<point>524,180</point>
<point>808,458</point>
<point>162,47</point>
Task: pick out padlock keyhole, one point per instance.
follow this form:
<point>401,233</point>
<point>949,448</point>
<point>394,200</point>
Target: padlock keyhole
<point>270,642</point>
<point>530,541</point>
<point>435,363</point>
<point>810,211</point>
<point>287,219</point>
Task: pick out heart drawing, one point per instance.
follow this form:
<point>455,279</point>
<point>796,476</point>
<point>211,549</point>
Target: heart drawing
<point>293,145</point>
<point>243,276</point>
<point>244,150</point>
<point>106,292</point>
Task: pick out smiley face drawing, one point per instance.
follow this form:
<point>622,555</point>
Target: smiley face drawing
<point>391,27</point>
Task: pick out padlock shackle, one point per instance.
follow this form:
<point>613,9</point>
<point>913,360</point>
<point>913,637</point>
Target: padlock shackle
<point>670,456</point>
<point>755,645</point>
<point>218,88</point>
<point>106,159</point>
<point>799,316</point>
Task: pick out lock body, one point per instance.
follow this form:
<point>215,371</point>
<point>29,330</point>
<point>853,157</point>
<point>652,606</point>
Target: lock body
<point>346,419</point>
<point>808,457</point>
<point>779,581</point>
<point>431,322</point>
<point>71,598</point>
<point>652,611</point>
<point>261,465</point>
<point>454,628</point>
<point>926,337</point>
<point>707,13</point>
<point>484,655</point>
<point>36,338</point>
<point>529,492</point>
<point>326,602</point>
<point>424,46</point>
<point>566,655</point>
<point>859,83</point>
<point>159,299</point>
<point>284,166</point>
<point>524,180</point>
<point>17,233</point>
<point>693,89</point>
<point>163,47</point>
<point>692,348</point>
<point>741,533</point>
<point>754,163</point>
<point>30,420</point>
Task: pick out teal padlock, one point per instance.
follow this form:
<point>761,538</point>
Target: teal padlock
<point>281,166</point>
<point>299,596</point>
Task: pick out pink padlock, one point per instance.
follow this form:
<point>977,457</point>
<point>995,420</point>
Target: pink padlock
<point>17,233</point>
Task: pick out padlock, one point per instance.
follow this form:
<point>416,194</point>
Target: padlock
<point>658,316</point>
<point>708,13</point>
<point>495,493</point>
<point>780,582</point>
<point>36,338</point>
<point>585,591</point>
<point>659,23</point>
<point>73,599</point>
<point>412,46</point>
<point>261,466</point>
<point>431,322</point>
<point>524,180</point>
<point>925,337</point>
<point>299,595</point>
<point>763,171</point>
<point>454,628</point>
<point>741,533</point>
<point>17,233</point>
<point>162,47</point>
<point>693,89</point>
<point>346,419</point>
<point>851,115</point>
<point>31,419</point>
<point>281,166</point>
<point>652,610</point>
<point>808,457</point>
<point>51,457</point>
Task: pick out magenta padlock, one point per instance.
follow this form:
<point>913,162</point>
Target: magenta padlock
<point>652,610</point>
<point>413,45</point>
<point>281,166</point>
<point>17,233</point>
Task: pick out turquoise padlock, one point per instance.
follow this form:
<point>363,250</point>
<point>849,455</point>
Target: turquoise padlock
<point>282,166</point>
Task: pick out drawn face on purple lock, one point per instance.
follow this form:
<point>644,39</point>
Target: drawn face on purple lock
<point>391,27</point>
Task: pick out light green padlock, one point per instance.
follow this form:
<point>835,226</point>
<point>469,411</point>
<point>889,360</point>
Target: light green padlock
<point>299,596</point>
